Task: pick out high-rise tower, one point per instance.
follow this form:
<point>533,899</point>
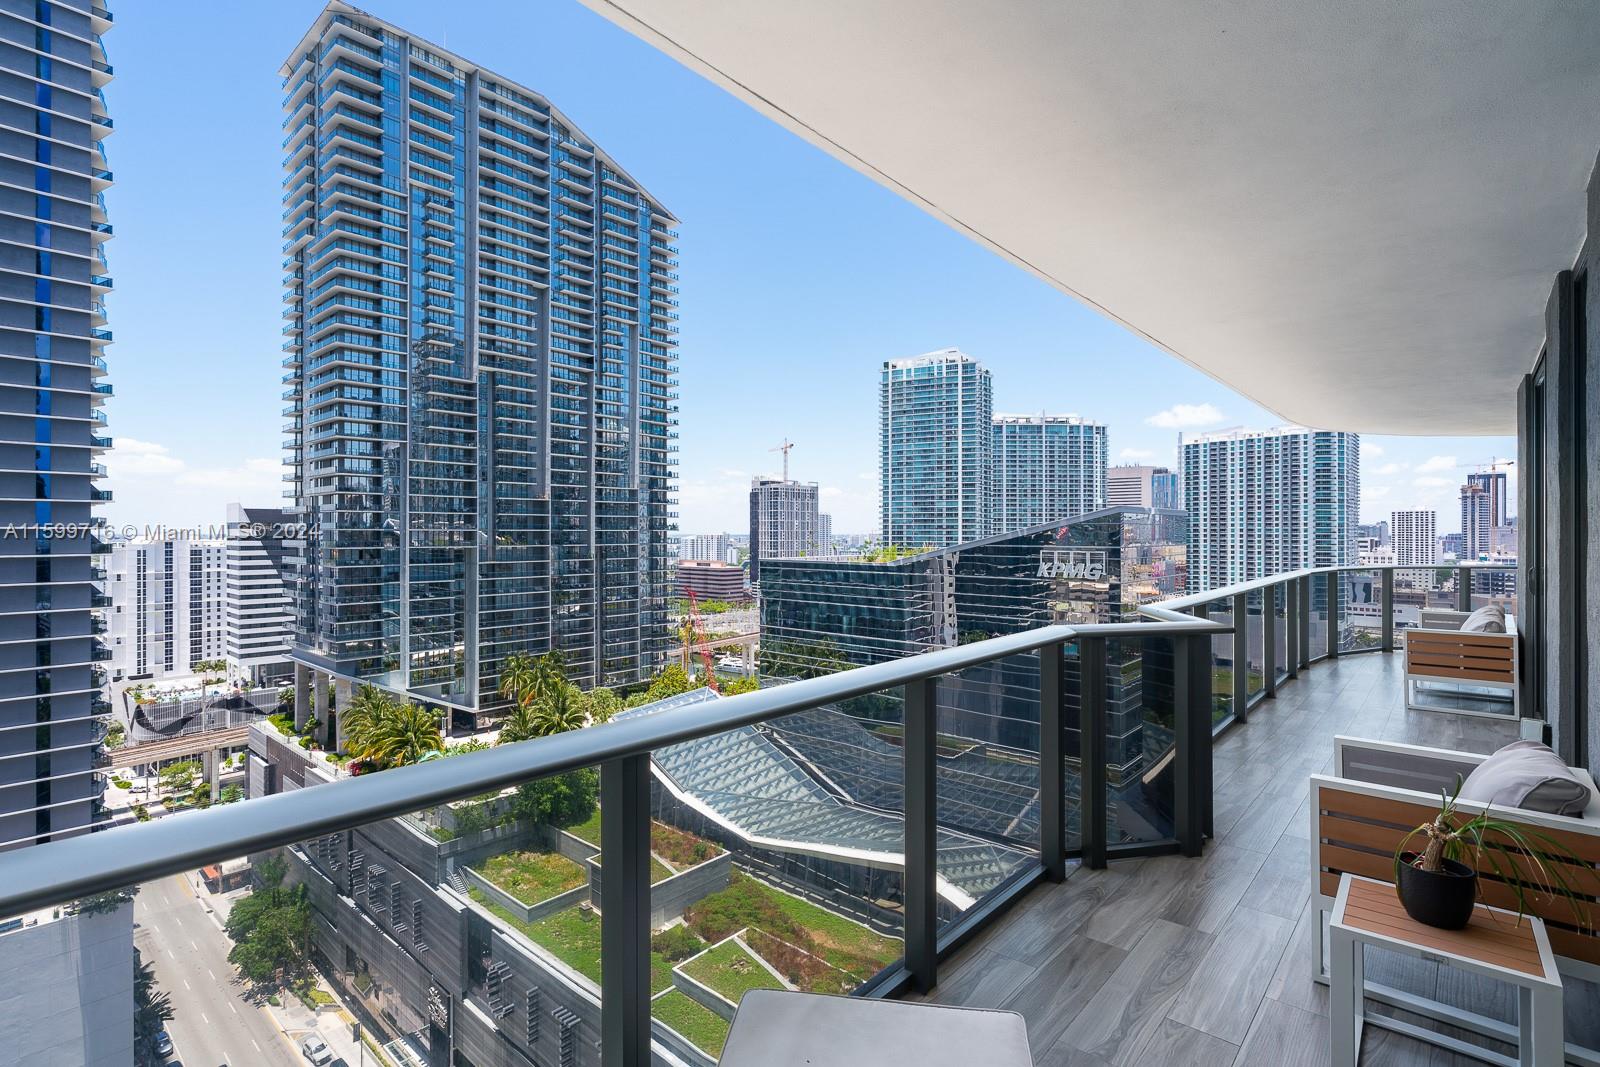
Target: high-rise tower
<point>52,339</point>
<point>936,449</point>
<point>1047,468</point>
<point>481,369</point>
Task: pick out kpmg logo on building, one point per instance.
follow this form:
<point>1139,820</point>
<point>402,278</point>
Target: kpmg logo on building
<point>1083,563</point>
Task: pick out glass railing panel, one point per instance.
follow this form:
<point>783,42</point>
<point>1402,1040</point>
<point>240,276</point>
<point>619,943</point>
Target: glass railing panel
<point>1318,585</point>
<point>1360,611</point>
<point>1495,585</point>
<point>804,888</point>
<point>1278,600</point>
<point>988,778</point>
<point>1256,648</point>
<point>1222,710</point>
<point>1140,740</point>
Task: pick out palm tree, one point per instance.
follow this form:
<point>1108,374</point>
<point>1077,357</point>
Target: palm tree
<point>369,707</point>
<point>151,1007</point>
<point>549,677</point>
<point>404,736</point>
<point>557,713</point>
<point>516,676</point>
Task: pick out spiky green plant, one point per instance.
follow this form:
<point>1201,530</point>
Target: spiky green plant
<point>1523,857</point>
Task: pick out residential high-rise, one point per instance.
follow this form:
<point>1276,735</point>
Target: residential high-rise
<point>256,605</point>
<point>1493,482</point>
<point>481,365</point>
<point>1477,519</point>
<point>703,546</point>
<point>1261,502</point>
<point>167,609</point>
<point>783,521</point>
<point>52,341</point>
<point>824,533</point>
<point>1416,540</point>
<point>1140,486</point>
<point>935,450</point>
<point>1047,468</point>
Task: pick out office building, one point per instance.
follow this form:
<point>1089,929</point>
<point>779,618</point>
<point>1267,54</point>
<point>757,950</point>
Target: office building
<point>256,605</point>
<point>1450,545</point>
<point>703,546</point>
<point>53,336</point>
<point>711,580</point>
<point>1261,502</point>
<point>935,450</point>
<point>783,521</point>
<point>1416,542</point>
<point>1140,486</point>
<point>1046,468</point>
<point>1477,520</point>
<point>1494,484</point>
<point>1376,532</point>
<point>481,365</point>
<point>824,532</point>
<point>167,608</point>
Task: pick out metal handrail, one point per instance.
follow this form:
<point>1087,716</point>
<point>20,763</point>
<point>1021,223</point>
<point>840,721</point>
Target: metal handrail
<point>47,874</point>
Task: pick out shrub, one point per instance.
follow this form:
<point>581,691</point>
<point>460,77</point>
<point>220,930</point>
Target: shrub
<point>141,813</point>
<point>676,943</point>
<point>284,724</point>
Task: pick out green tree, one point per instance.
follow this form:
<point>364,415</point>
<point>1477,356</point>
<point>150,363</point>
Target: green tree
<point>670,681</point>
<point>369,707</point>
<point>603,704</point>
<point>741,685</point>
<point>230,794</point>
<point>516,676</point>
<point>563,800</point>
<point>176,777</point>
<point>562,709</point>
<point>270,928</point>
<point>404,736</point>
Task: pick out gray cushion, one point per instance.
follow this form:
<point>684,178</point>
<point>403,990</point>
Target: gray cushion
<point>1486,620</point>
<point>1526,774</point>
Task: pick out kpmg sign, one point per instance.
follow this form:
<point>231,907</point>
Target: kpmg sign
<point>1083,563</point>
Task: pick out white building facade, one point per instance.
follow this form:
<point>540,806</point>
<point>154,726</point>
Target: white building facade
<point>1047,468</point>
<point>935,450</point>
<point>1414,537</point>
<point>167,607</point>
<point>784,521</point>
<point>1262,502</point>
<point>258,612</point>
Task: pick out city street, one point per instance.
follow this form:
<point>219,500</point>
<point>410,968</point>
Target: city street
<point>213,1023</point>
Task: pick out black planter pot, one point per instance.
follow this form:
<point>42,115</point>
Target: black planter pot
<point>1442,898</point>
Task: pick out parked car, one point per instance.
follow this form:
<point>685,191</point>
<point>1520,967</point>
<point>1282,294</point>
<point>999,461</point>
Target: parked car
<point>316,1050</point>
<point>162,1043</point>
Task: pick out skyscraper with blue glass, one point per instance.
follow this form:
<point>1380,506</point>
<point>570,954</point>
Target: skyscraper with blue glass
<point>481,370</point>
<point>936,450</point>
<point>52,337</point>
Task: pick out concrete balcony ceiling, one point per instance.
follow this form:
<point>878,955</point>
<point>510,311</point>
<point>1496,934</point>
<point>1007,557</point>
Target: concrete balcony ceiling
<point>1351,213</point>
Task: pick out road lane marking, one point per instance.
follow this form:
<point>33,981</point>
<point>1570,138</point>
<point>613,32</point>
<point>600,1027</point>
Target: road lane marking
<point>193,945</point>
<point>212,973</point>
<point>232,1008</point>
<point>253,1042</point>
<point>204,1019</point>
<point>186,984</point>
<point>170,956</point>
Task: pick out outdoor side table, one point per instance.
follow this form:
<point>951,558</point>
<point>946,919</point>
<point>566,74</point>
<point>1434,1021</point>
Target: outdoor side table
<point>1494,944</point>
<point>777,1028</point>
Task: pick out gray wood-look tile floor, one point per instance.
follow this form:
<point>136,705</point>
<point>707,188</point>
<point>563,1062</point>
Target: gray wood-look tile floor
<point>1206,961</point>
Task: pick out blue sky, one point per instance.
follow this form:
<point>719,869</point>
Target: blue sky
<point>799,277</point>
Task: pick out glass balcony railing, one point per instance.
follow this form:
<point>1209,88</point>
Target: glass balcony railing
<point>627,883</point>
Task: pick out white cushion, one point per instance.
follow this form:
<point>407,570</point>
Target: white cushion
<point>1528,775</point>
<point>1486,620</point>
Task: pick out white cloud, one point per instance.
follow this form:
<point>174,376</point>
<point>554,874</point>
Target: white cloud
<point>830,492</point>
<point>1186,417</point>
<point>868,476</point>
<point>1430,482</point>
<point>1376,492</point>
<point>1370,449</point>
<point>1437,463</point>
<point>134,457</point>
<point>1136,453</point>
<point>1389,468</point>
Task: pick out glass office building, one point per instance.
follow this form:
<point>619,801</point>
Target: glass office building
<point>820,616</point>
<point>53,277</point>
<point>481,375</point>
<point>936,450</point>
<point>1046,468</point>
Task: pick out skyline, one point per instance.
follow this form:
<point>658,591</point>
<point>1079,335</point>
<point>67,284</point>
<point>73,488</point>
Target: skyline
<point>790,311</point>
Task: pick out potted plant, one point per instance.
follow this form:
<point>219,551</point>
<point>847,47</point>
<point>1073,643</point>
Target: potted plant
<point>1439,885</point>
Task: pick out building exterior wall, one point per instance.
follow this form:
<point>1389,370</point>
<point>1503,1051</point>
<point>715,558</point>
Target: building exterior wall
<point>1262,502</point>
<point>1415,538</point>
<point>53,279</point>
<point>784,521</point>
<point>259,622</point>
<point>1047,467</point>
<point>936,450</point>
<point>167,607</point>
<point>703,547</point>
<point>711,580</point>
<point>66,982</point>
<point>482,353</point>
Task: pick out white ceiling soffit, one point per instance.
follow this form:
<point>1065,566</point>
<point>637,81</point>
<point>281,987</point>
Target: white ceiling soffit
<point>1350,212</point>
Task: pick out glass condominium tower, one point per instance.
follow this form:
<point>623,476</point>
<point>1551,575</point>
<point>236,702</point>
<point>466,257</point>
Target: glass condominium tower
<point>936,450</point>
<point>481,375</point>
<point>52,339</point>
<point>1048,468</point>
<point>1263,502</point>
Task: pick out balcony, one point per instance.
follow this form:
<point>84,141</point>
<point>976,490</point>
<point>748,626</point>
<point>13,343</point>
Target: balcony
<point>1126,864</point>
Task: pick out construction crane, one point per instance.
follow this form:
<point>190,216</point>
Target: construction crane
<point>784,448</point>
<point>696,632</point>
<point>1494,465</point>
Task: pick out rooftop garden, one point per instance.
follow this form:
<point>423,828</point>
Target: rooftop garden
<point>532,876</point>
<point>702,1026</point>
<point>731,971</point>
<point>671,850</point>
